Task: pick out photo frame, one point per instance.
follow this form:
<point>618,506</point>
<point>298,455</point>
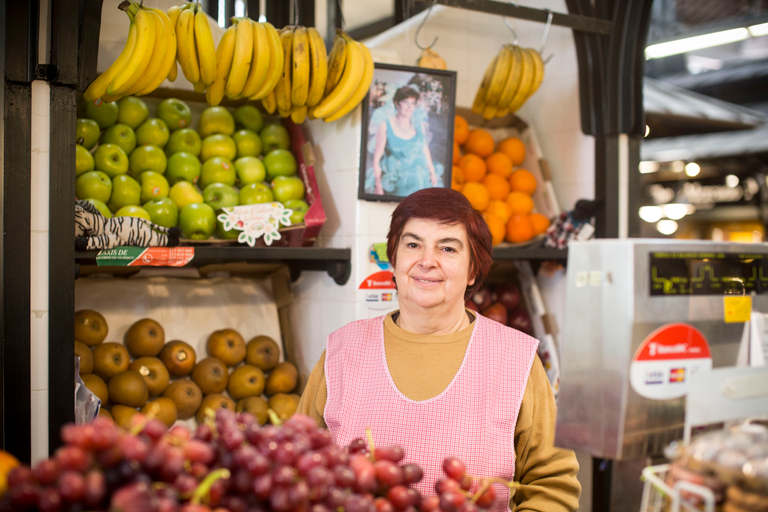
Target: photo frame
<point>407,136</point>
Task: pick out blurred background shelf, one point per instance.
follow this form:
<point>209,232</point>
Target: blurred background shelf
<point>502,253</point>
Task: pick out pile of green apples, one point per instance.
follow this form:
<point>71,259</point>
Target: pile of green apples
<point>161,169</point>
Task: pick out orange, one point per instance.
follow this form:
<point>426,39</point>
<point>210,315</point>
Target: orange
<point>514,149</point>
<point>460,130</point>
<point>477,195</point>
<point>499,163</point>
<point>540,223</point>
<point>473,167</point>
<point>479,142</point>
<point>523,181</point>
<point>457,178</point>
<point>496,226</point>
<point>498,187</point>
<point>519,229</point>
<point>456,152</point>
<point>499,209</point>
<point>519,202</point>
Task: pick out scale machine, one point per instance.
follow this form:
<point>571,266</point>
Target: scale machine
<point>642,315</point>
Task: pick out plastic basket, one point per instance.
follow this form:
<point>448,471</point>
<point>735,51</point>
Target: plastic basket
<point>660,497</point>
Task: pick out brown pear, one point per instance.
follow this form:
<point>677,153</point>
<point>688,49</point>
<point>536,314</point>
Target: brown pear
<point>284,404</point>
<point>90,327</point>
<point>254,405</point>
<point>86,357</point>
<point>163,409</point>
<point>122,415</point>
<point>97,386</point>
<point>145,338</point>
<point>245,381</point>
<point>211,375</point>
<point>154,372</point>
<point>128,388</point>
<point>110,359</point>
<point>178,357</point>
<point>186,395</point>
<point>262,352</point>
<point>105,413</point>
<point>227,345</point>
<point>214,401</point>
<point>282,379</point>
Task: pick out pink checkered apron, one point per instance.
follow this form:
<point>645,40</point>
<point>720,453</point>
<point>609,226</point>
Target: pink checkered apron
<point>473,419</point>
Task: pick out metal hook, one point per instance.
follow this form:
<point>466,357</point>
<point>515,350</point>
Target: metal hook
<point>416,36</point>
<point>544,38</point>
<point>506,22</point>
<point>295,12</point>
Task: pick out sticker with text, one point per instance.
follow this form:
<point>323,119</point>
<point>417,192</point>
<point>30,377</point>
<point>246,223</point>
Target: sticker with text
<point>255,221</point>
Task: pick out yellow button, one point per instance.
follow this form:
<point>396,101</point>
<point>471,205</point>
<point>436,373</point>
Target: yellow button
<point>737,309</point>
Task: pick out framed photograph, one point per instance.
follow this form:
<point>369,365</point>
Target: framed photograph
<point>407,141</point>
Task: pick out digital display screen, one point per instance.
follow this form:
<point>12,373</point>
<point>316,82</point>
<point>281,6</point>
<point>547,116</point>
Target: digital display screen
<point>682,273</point>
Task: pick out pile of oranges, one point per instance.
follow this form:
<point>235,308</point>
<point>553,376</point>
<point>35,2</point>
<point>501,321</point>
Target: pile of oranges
<point>489,177</point>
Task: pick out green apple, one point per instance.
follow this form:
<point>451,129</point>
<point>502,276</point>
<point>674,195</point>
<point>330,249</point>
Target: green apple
<point>217,170</point>
<point>256,193</point>
<point>126,191</point>
<point>153,186</point>
<point>147,158</point>
<point>88,130</point>
<point>220,195</point>
<point>132,111</point>
<point>286,188</point>
<point>93,185</point>
<point>103,208</point>
<point>248,143</point>
<point>280,162</point>
<point>175,113</point>
<point>184,193</point>
<point>182,166</point>
<point>249,117</point>
<point>186,140</point>
<point>197,221</point>
<point>104,113</point>
<point>133,211</point>
<point>299,207</point>
<point>163,212</point>
<point>218,145</point>
<point>275,136</point>
<point>250,170</point>
<point>215,120</point>
<point>232,234</point>
<point>83,160</point>
<point>121,135</point>
<point>110,159</point>
<point>153,132</point>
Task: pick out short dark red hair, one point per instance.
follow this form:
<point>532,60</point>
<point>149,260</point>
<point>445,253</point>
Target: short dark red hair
<point>446,206</point>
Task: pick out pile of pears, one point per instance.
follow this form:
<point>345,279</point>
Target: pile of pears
<point>146,374</point>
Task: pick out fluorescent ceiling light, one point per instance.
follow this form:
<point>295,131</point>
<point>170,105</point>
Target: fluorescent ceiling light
<point>759,30</point>
<point>666,226</point>
<point>675,211</point>
<point>649,166</point>
<point>690,44</point>
<point>651,213</point>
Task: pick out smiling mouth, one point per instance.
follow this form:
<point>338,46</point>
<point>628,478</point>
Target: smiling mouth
<point>428,281</point>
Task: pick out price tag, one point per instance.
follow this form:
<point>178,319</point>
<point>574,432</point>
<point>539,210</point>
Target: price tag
<point>737,308</point>
<point>145,256</point>
<point>255,221</point>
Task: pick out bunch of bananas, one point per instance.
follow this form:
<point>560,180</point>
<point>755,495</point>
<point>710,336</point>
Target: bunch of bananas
<point>195,51</point>
<point>146,59</point>
<point>510,79</point>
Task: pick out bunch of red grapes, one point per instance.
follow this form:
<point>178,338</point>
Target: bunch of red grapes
<point>229,463</point>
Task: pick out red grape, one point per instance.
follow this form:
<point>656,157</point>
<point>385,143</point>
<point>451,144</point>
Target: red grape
<point>430,503</point>
<point>309,460</point>
<point>388,473</point>
<point>451,501</point>
<point>73,458</point>
<point>283,475</point>
<point>49,500</point>
<point>446,484</point>
<point>95,488</point>
<point>71,486</point>
<point>198,451</point>
<point>133,448</point>
<point>46,471</point>
<point>357,445</point>
<point>412,473</point>
<point>394,453</point>
<point>24,494</point>
<point>242,481</point>
<point>399,497</point>
<point>262,486</point>
<point>383,505</point>
<point>454,468</point>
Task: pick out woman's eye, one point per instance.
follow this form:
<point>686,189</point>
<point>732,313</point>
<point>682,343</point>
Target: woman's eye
<point>449,249</point>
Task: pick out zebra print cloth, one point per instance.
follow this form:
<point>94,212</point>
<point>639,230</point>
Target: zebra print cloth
<point>94,231</point>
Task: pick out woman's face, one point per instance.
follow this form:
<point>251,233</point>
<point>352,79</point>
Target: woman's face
<point>406,107</point>
<point>432,264</point>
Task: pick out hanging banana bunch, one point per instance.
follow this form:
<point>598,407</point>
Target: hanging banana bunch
<point>147,58</point>
<point>510,79</point>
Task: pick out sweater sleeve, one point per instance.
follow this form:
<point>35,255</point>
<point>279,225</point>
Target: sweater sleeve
<point>312,401</point>
<point>547,474</point>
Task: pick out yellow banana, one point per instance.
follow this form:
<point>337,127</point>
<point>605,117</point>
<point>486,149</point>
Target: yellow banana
<point>98,87</point>
<point>283,113</point>
<point>173,16</point>
<point>226,49</point>
<point>269,102</point>
<point>168,65</point>
<point>174,72</point>
<point>241,60</point>
<point>525,83</point>
<point>360,92</point>
<point>300,68</point>
<point>142,52</point>
<point>260,61</point>
<point>538,71</point>
<point>499,77</point>
<point>318,72</point>
<point>479,104</point>
<point>513,79</point>
<point>206,51</point>
<point>353,73</point>
<point>283,87</point>
<point>156,62</point>
<point>298,114</point>
<point>276,59</point>
<point>186,52</point>
<point>336,61</point>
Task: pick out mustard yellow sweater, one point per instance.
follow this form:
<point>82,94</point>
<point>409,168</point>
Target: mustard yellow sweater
<point>547,474</point>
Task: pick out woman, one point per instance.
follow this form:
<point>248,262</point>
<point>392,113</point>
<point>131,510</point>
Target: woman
<point>438,379</point>
<point>402,163</point>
